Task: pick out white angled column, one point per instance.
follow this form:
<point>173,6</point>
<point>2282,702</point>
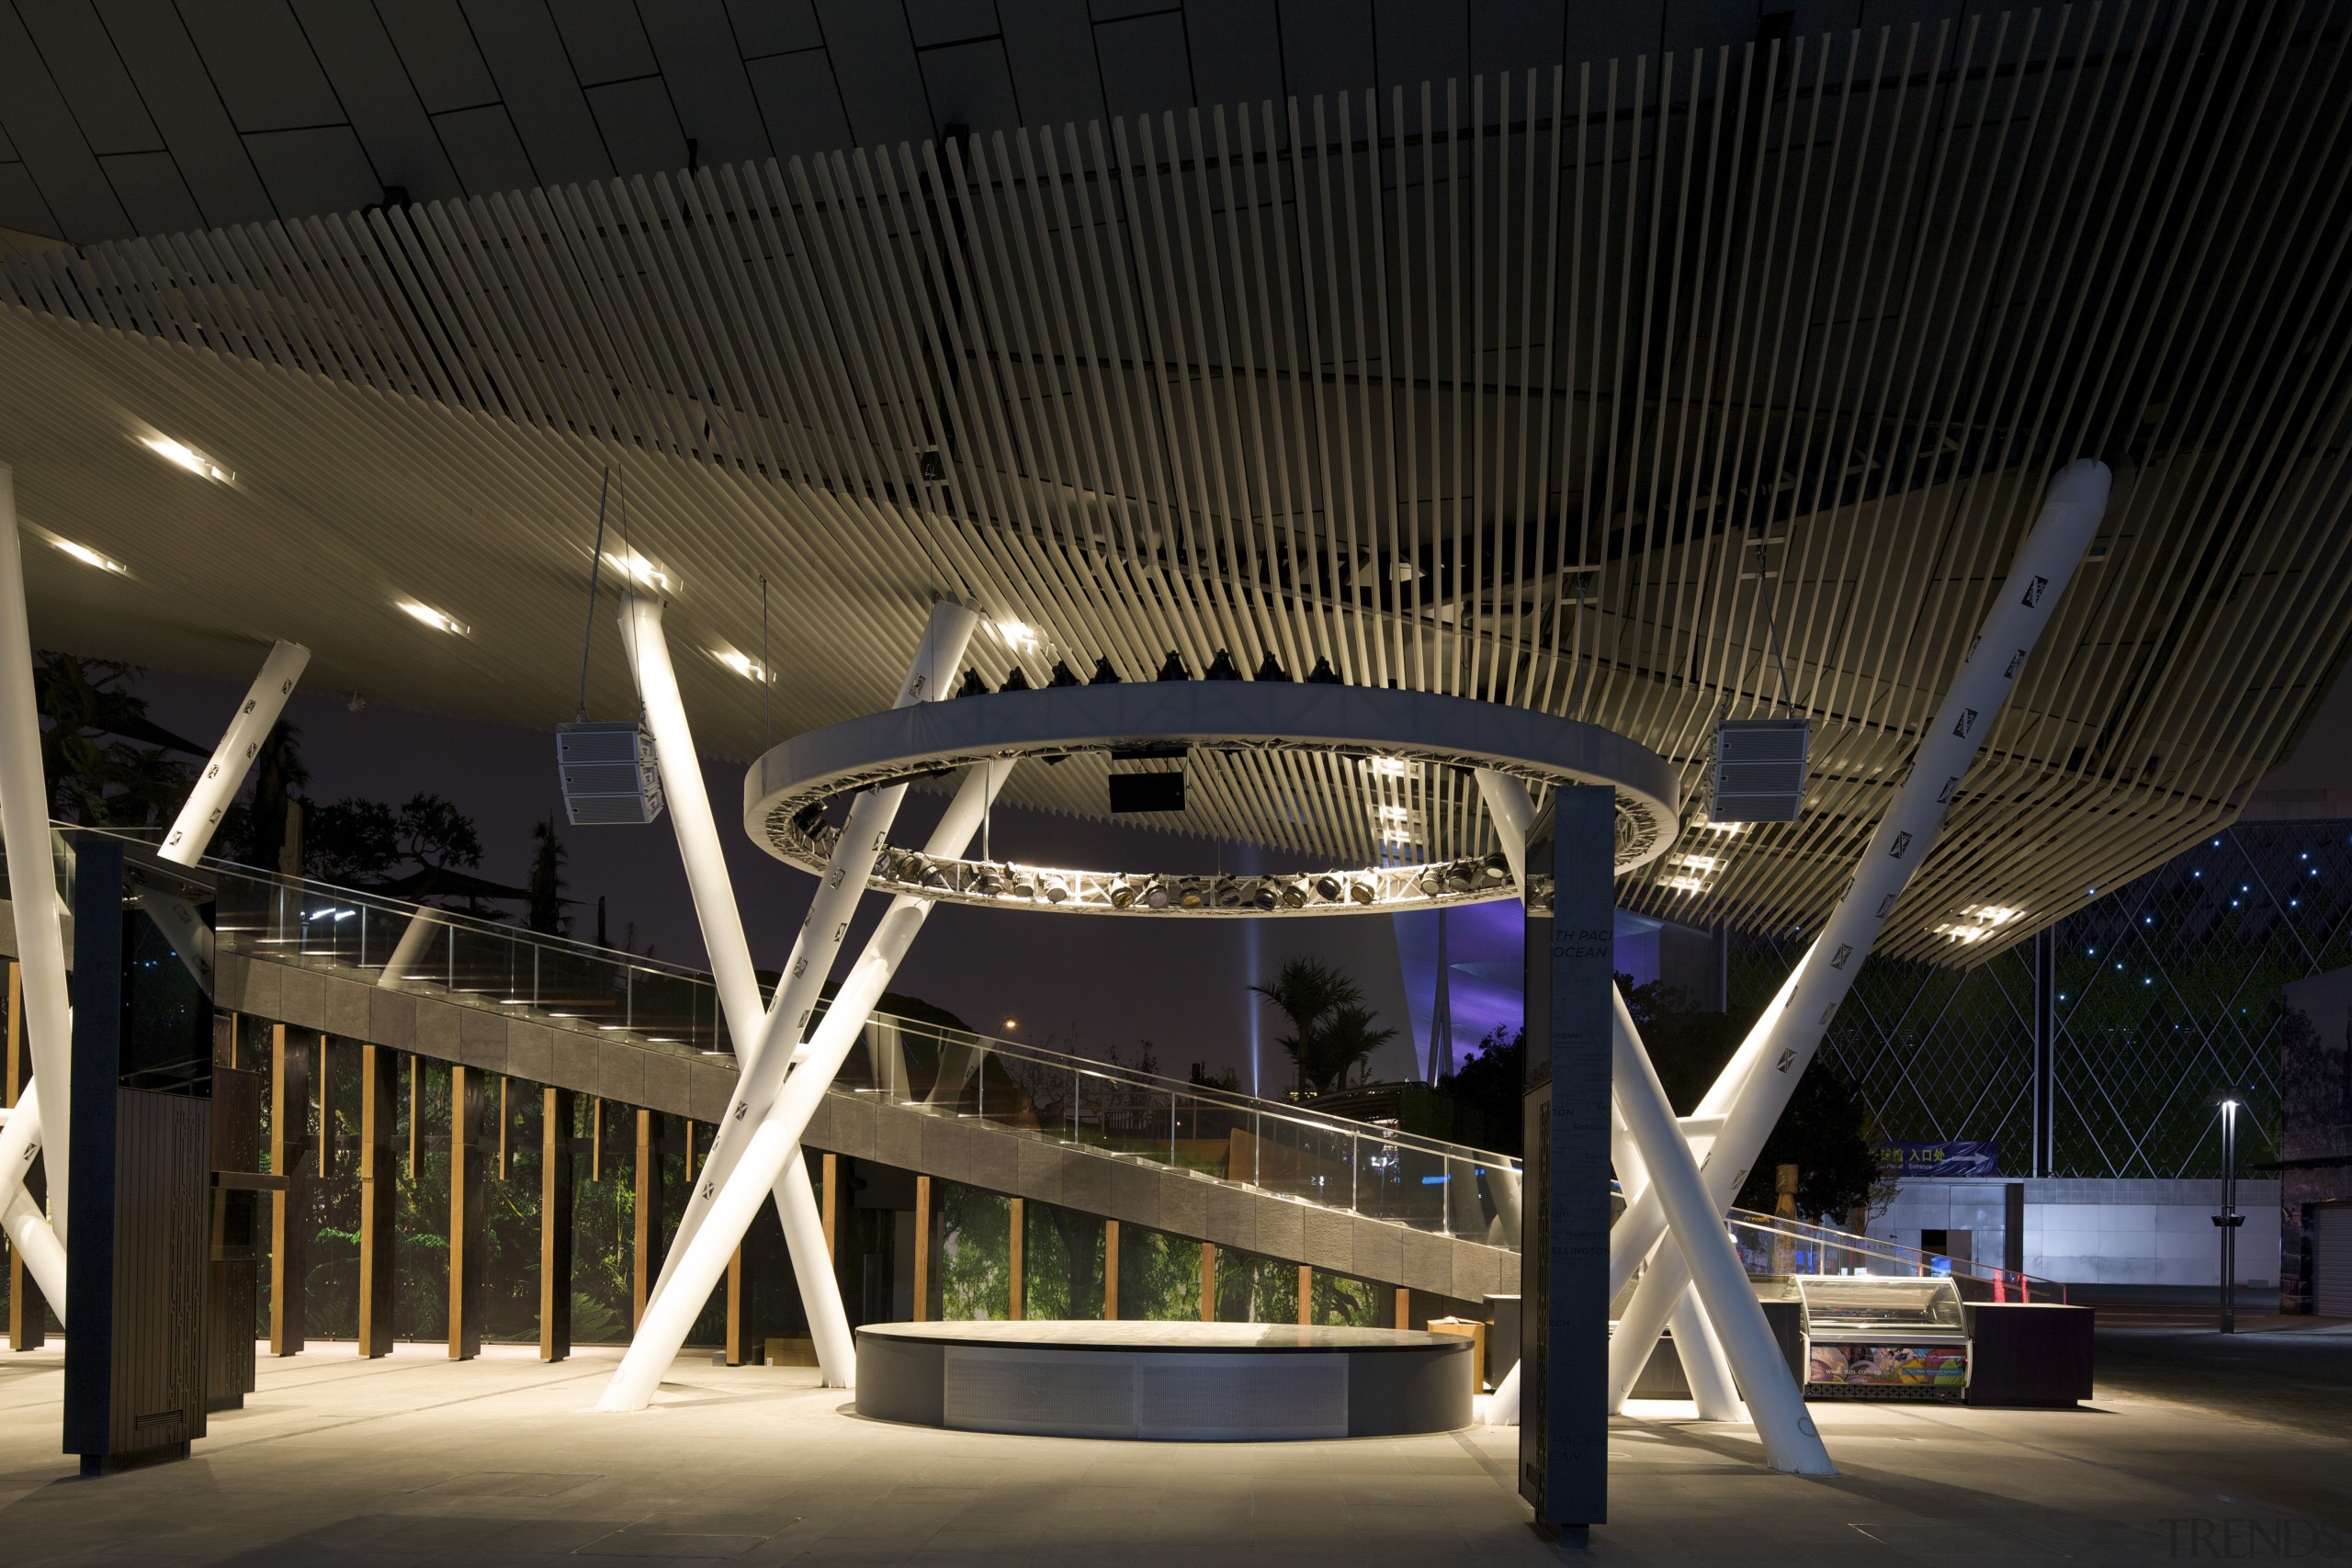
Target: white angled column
<point>825,926</point>
<point>192,829</point>
<point>33,887</point>
<point>1695,1345</point>
<point>1775,1403</point>
<point>27,1228</point>
<point>780,1110</point>
<point>2029,596</point>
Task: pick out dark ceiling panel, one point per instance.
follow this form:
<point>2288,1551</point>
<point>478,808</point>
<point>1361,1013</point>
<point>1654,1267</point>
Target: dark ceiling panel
<point>1511,34</point>
<point>1236,51</point>
<point>54,152</point>
<point>1050,46</point>
<point>152,192</point>
<point>551,113</point>
<point>775,27</point>
<point>375,91</point>
<point>969,83</point>
<point>603,39</point>
<point>482,144</point>
<point>21,207</point>
<point>262,65</point>
<point>1145,67</point>
<point>437,48</point>
<point>83,63</point>
<point>708,85</point>
<point>1327,46</point>
<point>178,94</point>
<point>935,22</point>
<point>1421,40</point>
<point>639,124</point>
<point>874,60</point>
<point>319,170</point>
<point>799,102</point>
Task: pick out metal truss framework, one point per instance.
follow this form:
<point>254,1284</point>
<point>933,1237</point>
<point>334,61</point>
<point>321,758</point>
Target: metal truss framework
<point>1523,388</point>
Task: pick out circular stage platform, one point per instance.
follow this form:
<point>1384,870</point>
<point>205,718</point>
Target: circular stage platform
<point>1212,1382</point>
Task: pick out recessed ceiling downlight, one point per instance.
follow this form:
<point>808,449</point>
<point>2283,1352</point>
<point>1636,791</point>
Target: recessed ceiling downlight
<point>187,457</point>
<point>440,621</point>
<point>89,557</point>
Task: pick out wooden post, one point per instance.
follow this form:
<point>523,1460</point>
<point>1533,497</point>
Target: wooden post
<point>323,1079</point>
<point>689,1129</point>
<point>1404,1307</point>
<point>378,1197</point>
<point>1110,1270</point>
<point>505,1167</point>
<point>832,1218</point>
<point>1208,1281</point>
<point>646,1265</point>
<point>743,1346</point>
<point>468,1237</point>
<point>1018,1235</point>
<point>595,1140</point>
<point>415,1117</point>
<point>28,1312</point>
<point>1305,1296</point>
<point>289,1215</point>
<point>922,1249</point>
<point>555,1223</point>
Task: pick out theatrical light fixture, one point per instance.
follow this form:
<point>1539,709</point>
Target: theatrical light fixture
<point>1155,895</point>
<point>1294,894</point>
<point>1019,883</point>
<point>1228,892</point>
<point>1432,882</point>
<point>188,458</point>
<point>437,620</point>
<point>1329,889</point>
<point>1682,884</point>
<point>643,573</point>
<point>1263,898</point>
<point>1496,867</point>
<point>1056,891</point>
<point>89,557</point>
<point>1362,892</point>
<point>1696,863</point>
<point>1191,894</point>
<point>1122,894</point>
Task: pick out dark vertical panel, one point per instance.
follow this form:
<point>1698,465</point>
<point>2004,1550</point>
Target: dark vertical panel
<point>379,1196</point>
<point>469,1237</point>
<point>557,1112</point>
<point>229,1370</point>
<point>90,1372</point>
<point>1564,1425</point>
<point>1017,1231</point>
<point>289,1212</point>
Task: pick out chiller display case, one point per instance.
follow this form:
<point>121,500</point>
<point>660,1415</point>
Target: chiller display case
<point>1876,1336</point>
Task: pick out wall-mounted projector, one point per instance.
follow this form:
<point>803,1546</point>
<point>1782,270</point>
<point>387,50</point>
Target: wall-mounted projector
<point>608,773</point>
<point>1760,770</point>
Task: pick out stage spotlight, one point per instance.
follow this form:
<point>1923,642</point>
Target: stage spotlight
<point>1263,898</point>
<point>1462,877</point>
<point>1191,892</point>
<point>1103,674</point>
<point>1222,668</point>
<point>1155,895</point>
<point>1174,668</point>
<point>1323,675</point>
<point>1329,889</point>
<point>1056,891</point>
<point>1123,893</point>
<point>973,685</point>
<point>1362,892</point>
<point>936,878</point>
<point>987,882</point>
<point>1293,893</point>
<point>1063,675</point>
<point>1432,882</point>
<point>1496,867</point>
<point>1228,892</point>
<point>1016,681</point>
<point>1270,670</point>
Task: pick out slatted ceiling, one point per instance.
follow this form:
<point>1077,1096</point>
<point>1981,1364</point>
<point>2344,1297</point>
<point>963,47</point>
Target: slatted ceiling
<point>1493,389</point>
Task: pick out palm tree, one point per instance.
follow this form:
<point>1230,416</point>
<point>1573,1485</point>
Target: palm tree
<point>1342,1044</point>
<point>1307,991</point>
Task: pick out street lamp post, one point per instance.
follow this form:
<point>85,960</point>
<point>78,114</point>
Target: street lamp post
<point>2229,1219</point>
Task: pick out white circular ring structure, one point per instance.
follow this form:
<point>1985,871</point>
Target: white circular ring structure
<point>785,791</point>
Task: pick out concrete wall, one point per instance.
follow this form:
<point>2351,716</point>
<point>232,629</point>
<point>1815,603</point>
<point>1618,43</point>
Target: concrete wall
<point>2099,1232</point>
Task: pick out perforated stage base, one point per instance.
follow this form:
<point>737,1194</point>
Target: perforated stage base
<point>1205,1383</point>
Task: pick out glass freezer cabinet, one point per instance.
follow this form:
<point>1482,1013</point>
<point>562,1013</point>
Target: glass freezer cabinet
<point>1875,1336</point>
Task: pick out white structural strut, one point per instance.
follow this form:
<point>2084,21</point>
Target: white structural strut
<point>1636,1232</point>
<point>406,951</point>
<point>1792,1443</point>
<point>1695,1345</point>
<point>27,1228</point>
<point>32,888</point>
<point>1513,812</point>
<point>192,829</point>
<point>2071,512</point>
<point>723,928</point>
<point>814,950</point>
<point>782,1112</point>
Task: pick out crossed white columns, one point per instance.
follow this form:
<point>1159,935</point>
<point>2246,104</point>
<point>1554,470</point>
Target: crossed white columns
<point>40,1124</point>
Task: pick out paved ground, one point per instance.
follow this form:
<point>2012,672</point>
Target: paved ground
<point>413,1460</point>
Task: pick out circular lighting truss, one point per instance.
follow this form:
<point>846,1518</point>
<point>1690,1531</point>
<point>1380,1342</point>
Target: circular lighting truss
<point>785,793</point>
